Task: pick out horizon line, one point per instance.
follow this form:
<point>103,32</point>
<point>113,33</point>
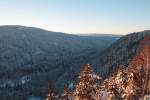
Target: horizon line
<point>74,33</point>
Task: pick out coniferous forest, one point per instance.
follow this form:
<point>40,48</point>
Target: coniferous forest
<point>75,50</point>
<point>130,82</point>
<point>59,66</point>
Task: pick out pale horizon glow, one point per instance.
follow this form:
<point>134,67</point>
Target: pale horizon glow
<point>78,16</point>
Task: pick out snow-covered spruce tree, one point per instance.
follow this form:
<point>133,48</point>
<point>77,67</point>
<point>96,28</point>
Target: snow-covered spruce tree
<point>51,95</point>
<point>87,87</point>
<point>67,95</point>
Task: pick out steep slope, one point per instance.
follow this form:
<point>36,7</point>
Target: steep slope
<point>127,83</point>
<point>133,82</point>
<point>119,53</point>
<point>30,57</point>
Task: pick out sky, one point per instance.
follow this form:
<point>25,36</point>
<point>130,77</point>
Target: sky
<point>78,16</point>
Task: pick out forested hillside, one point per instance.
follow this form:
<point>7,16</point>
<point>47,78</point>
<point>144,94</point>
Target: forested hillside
<point>126,83</point>
<point>30,57</point>
<point>119,53</point>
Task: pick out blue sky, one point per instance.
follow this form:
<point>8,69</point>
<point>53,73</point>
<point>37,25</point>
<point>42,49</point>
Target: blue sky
<point>78,16</point>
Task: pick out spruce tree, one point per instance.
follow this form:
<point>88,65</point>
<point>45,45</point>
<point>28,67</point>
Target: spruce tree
<point>50,95</point>
<point>87,86</point>
<point>67,95</point>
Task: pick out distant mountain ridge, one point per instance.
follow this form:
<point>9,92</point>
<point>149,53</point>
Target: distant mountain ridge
<point>100,34</point>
